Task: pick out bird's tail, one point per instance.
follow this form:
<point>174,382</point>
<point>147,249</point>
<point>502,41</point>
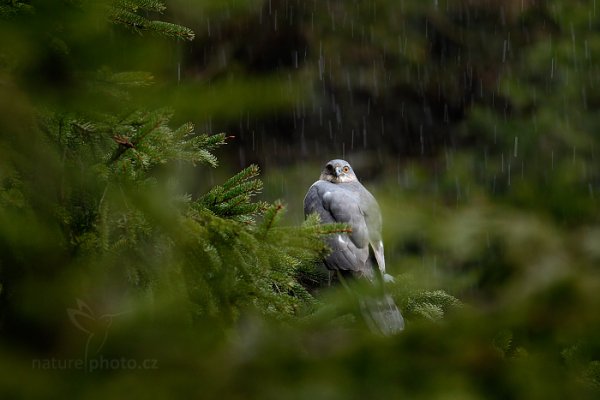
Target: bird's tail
<point>381,314</point>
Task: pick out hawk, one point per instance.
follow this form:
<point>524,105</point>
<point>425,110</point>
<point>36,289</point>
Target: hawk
<point>338,196</point>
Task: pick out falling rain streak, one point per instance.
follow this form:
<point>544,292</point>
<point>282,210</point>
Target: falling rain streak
<point>377,83</point>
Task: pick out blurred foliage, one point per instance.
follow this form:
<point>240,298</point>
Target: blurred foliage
<point>474,123</point>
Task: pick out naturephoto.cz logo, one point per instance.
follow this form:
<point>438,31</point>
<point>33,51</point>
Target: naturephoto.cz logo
<point>96,329</point>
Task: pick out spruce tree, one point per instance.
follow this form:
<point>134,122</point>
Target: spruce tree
<point>111,203</point>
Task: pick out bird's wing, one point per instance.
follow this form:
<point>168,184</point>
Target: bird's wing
<point>377,248</point>
<point>336,204</point>
<point>372,215</point>
<point>313,203</point>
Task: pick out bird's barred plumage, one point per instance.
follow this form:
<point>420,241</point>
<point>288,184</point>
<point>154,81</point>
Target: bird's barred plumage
<point>338,196</point>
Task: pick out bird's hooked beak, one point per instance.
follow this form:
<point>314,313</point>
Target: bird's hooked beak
<point>338,171</point>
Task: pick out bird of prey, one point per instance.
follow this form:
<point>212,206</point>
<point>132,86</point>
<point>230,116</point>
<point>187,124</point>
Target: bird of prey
<point>338,196</point>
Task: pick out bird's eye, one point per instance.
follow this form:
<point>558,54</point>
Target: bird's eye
<point>346,169</point>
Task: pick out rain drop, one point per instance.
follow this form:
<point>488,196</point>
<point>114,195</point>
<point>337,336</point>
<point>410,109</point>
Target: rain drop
<point>320,116</point>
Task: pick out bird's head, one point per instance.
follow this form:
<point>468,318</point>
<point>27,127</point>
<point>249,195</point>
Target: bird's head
<point>338,171</point>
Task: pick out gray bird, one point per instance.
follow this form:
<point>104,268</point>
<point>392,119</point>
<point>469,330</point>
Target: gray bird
<point>338,196</point>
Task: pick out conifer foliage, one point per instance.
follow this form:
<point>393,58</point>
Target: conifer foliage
<point>92,187</point>
<point>114,204</point>
<point>128,13</point>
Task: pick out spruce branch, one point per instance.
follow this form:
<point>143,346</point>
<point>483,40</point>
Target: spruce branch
<point>83,127</point>
<point>243,189</point>
<point>171,30</point>
<point>124,13</point>
<point>130,19</point>
<point>312,224</point>
<point>155,123</point>
<point>270,217</point>
<point>123,141</point>
<point>244,175</point>
<point>234,198</point>
<point>197,148</point>
<point>184,130</point>
<point>417,303</point>
<point>148,5</point>
<point>15,7</point>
